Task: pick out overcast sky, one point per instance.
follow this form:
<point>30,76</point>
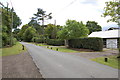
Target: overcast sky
<point>80,10</point>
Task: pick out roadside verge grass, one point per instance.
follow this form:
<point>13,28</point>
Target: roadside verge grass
<point>112,61</point>
<point>16,49</point>
<point>60,48</point>
<point>63,49</point>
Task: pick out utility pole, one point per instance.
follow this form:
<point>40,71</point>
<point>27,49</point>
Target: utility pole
<point>11,27</point>
<point>54,22</point>
<point>11,23</point>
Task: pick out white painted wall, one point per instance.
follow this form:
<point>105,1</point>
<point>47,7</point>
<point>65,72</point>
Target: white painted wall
<point>111,43</point>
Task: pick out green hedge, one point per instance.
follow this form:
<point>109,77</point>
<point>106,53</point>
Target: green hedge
<point>87,43</point>
<point>55,42</point>
<point>38,40</point>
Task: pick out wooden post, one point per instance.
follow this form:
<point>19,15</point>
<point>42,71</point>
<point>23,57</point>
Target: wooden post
<point>106,59</point>
<point>22,47</point>
<point>56,49</point>
<point>51,47</point>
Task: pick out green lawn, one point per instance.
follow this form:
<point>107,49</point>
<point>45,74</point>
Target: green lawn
<point>112,61</point>
<point>16,49</point>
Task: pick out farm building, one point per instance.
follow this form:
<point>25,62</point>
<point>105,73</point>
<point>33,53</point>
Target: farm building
<point>110,37</point>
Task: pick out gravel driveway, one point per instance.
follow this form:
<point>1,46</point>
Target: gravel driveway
<point>90,55</point>
<point>19,66</point>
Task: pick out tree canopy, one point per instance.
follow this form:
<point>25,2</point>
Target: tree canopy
<point>73,29</point>
<point>112,9</point>
<point>93,26</point>
<point>41,15</point>
<point>29,34</point>
<point>22,31</point>
<point>51,31</point>
<point>10,21</point>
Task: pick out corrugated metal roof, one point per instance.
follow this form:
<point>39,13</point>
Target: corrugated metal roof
<point>106,34</point>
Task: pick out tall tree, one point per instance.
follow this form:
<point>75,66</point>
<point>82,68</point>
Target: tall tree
<point>112,9</point>
<point>29,34</point>
<point>22,31</point>
<point>51,31</point>
<point>93,26</point>
<point>41,15</point>
<point>15,33</point>
<point>73,29</point>
<point>16,20</point>
<point>10,20</point>
<point>34,23</point>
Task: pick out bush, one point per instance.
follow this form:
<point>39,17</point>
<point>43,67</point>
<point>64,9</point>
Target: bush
<point>38,40</point>
<point>14,41</point>
<point>55,42</point>
<point>87,43</point>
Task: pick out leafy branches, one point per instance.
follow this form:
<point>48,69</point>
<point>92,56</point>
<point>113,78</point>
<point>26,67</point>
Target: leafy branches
<point>112,9</point>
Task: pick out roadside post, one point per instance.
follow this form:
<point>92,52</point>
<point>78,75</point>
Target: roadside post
<point>56,49</point>
<point>51,47</point>
<point>22,47</point>
<point>106,59</point>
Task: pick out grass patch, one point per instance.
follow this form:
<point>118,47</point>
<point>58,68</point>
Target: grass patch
<point>16,49</point>
<point>61,49</point>
<point>42,45</point>
<point>64,49</point>
<point>112,61</point>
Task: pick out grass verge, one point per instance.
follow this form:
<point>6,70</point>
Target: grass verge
<point>16,49</point>
<point>112,61</point>
<point>61,49</point>
<point>64,49</point>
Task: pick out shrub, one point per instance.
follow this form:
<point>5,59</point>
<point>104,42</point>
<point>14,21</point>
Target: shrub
<point>14,40</point>
<point>87,43</point>
<point>38,40</point>
<point>55,42</point>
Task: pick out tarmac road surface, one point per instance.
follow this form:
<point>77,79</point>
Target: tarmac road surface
<point>54,64</point>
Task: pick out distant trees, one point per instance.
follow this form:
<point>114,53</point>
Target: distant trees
<point>29,34</point>
<point>15,33</point>
<point>34,28</point>
<point>22,31</point>
<point>93,26</point>
<point>34,23</point>
<point>73,29</point>
<point>51,31</point>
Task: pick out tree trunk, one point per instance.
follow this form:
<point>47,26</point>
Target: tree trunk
<point>66,43</point>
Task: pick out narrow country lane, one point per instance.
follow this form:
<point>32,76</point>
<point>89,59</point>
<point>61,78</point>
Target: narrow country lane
<point>54,64</point>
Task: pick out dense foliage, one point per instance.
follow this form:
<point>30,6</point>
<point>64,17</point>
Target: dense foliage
<point>112,9</point>
<point>87,43</point>
<point>38,40</point>
<point>51,31</point>
<point>29,34</point>
<point>10,21</point>
<point>93,26</point>
<point>73,29</point>
<point>55,42</point>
